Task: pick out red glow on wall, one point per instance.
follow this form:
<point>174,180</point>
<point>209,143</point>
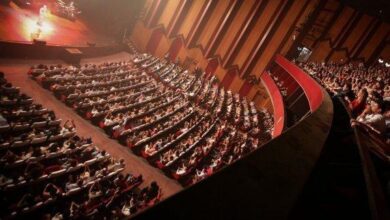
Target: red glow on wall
<point>228,79</point>
<point>154,40</point>
<point>211,67</point>
<point>245,88</point>
<point>175,48</point>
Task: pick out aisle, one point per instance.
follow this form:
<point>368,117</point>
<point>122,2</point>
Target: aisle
<point>15,72</point>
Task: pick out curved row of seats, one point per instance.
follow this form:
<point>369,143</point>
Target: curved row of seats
<point>47,170</point>
<point>180,122</point>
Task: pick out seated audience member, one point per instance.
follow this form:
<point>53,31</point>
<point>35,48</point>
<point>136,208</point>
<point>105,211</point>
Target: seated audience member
<point>373,116</point>
<point>69,126</point>
<point>358,105</point>
<point>51,191</point>
<point>153,191</point>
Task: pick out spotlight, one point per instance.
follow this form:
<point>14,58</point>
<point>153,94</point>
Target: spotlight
<point>387,65</point>
<point>380,60</point>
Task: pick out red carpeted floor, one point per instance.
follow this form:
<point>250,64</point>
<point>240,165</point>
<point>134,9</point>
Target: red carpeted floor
<point>15,72</point>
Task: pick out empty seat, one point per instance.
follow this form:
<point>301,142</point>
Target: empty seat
<point>73,191</point>
<point>20,143</point>
<point>8,102</point>
<point>21,127</point>
<point>39,124</point>
<point>55,137</point>
<point>39,140</point>
<point>55,122</point>
<point>69,134</point>
<point>57,173</point>
<point>89,162</point>
<point>4,128</point>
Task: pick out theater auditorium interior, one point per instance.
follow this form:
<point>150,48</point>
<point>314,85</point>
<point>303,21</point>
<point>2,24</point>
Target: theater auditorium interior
<point>195,109</point>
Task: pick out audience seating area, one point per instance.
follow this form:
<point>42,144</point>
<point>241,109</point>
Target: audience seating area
<point>179,121</point>
<point>366,92</point>
<point>48,171</point>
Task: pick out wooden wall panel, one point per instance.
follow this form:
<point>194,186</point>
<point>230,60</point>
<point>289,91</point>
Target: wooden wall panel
<point>220,73</point>
<point>228,79</point>
<point>351,36</point>
<point>182,54</point>
<point>375,40</point>
<point>233,29</point>
<point>323,23</point>
<point>274,43</point>
<point>212,23</point>
<point>236,84</point>
<point>319,55</point>
<point>175,47</point>
<point>337,56</point>
<point>154,40</point>
<point>199,23</point>
<point>178,16</point>
<point>385,54</point>
<point>341,23</point>
<point>221,30</point>
<point>262,100</point>
<point>212,65</point>
<point>253,92</point>
<point>242,35</point>
<point>150,6</point>
<point>358,31</point>
<point>141,35</point>
<point>188,21</point>
<point>163,46</point>
<point>167,14</point>
<point>295,32</point>
<point>260,26</point>
<point>158,9</point>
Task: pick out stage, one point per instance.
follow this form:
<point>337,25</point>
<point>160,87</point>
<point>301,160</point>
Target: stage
<point>27,34</point>
<point>20,25</point>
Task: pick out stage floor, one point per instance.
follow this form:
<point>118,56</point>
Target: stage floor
<point>21,25</point>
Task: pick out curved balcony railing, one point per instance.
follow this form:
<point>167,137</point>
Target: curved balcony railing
<point>277,103</point>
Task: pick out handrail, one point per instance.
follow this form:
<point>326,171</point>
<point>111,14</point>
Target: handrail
<point>277,103</point>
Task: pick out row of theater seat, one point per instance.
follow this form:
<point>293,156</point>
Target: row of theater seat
<point>47,170</point>
<point>181,122</point>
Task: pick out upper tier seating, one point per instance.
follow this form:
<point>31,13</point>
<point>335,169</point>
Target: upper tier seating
<point>365,90</point>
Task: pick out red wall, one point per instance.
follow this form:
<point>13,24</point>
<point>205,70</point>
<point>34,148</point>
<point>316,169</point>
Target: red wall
<point>154,40</point>
<point>211,66</point>
<point>228,79</point>
<point>312,90</point>
<point>175,48</point>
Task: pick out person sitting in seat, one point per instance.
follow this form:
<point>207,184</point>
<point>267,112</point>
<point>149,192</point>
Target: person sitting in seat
<point>358,105</point>
<point>181,169</point>
<point>373,116</point>
<point>153,191</point>
<point>51,191</point>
